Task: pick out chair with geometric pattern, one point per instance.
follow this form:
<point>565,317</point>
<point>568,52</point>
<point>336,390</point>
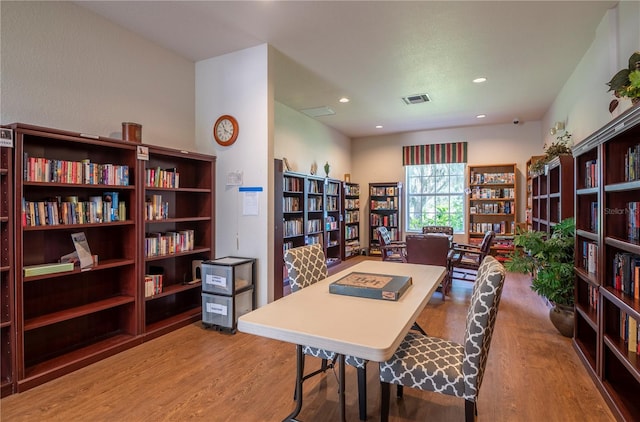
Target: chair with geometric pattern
<point>306,265</point>
<point>464,259</point>
<point>391,250</point>
<point>442,366</point>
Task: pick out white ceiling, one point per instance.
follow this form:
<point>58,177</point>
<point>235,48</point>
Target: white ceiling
<point>376,52</point>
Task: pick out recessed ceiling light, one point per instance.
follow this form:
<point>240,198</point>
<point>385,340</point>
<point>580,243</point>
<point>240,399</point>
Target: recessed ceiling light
<point>479,80</point>
<point>378,126</point>
<point>344,100</point>
<point>481,116</point>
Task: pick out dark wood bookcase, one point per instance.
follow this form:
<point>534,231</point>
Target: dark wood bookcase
<point>602,199</point>
<point>351,220</point>
<point>385,209</point>
<point>493,205</point>
<point>188,216</point>
<point>308,210</point>
<point>552,194</point>
<point>7,284</point>
<point>529,194</point>
<point>66,320</point>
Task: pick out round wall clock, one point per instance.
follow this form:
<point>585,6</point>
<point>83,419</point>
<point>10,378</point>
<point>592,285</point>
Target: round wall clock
<point>225,130</point>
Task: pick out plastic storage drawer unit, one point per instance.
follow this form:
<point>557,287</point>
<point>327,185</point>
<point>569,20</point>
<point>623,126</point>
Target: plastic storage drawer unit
<point>227,275</point>
<point>223,311</point>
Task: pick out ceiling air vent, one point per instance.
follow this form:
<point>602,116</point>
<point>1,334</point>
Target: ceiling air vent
<point>318,111</point>
<point>416,99</point>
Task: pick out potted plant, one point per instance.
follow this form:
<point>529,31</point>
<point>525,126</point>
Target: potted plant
<point>562,145</point>
<point>626,83</point>
<point>549,259</point>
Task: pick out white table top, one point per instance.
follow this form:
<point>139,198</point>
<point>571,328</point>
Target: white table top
<point>367,328</point>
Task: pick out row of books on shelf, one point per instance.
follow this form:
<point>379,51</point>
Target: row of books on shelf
<point>314,204</point>
<point>70,210</point>
<point>332,203</point>
<point>155,208</point>
<point>383,220</point>
<point>351,217</point>
<point>332,188</point>
<point>351,203</point>
<point>394,234</point>
<point>40,169</point>
<point>351,232</point>
<point>293,227</point>
<point>162,178</point>
<point>384,191</point>
<point>593,296</point>
<point>352,190</point>
<point>313,239</point>
<point>388,204</point>
<point>491,178</point>
<point>292,184</point>
<point>492,193</point>
<point>352,247</point>
<point>314,186</point>
<point>506,207</point>
<point>626,274</point>
<point>503,227</point>
<point>291,204</point>
<point>593,216</point>
<point>331,223</point>
<point>590,256</point>
<point>632,163</point>
<point>633,219</point>
<point>591,174</point>
<point>157,244</point>
<point>629,332</point>
<point>152,284</point>
<point>314,226</point>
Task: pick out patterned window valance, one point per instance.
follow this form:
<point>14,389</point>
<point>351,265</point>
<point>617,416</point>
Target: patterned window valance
<point>434,154</point>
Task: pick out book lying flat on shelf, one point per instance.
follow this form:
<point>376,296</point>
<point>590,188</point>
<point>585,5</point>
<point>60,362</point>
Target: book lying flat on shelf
<point>374,286</point>
<point>42,269</point>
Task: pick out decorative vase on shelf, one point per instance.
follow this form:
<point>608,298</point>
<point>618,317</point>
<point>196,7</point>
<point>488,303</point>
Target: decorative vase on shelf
<point>326,168</point>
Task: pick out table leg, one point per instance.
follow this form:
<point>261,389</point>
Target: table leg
<point>299,379</point>
<point>341,388</point>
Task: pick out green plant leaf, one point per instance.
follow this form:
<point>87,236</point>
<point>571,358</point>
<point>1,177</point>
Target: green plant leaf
<point>635,58</point>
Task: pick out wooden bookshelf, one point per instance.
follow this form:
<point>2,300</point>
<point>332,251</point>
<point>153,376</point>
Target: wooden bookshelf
<point>493,205</point>
<point>602,198</point>
<point>7,277</point>
<point>65,183</point>
<point>529,194</point>
<point>385,210</point>
<point>333,228</point>
<point>552,194</point>
<point>187,223</point>
<point>351,220</point>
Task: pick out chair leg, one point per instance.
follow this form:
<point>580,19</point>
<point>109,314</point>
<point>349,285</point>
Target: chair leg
<point>399,391</point>
<point>470,411</point>
<point>385,397</point>
<point>362,392</point>
<point>418,328</point>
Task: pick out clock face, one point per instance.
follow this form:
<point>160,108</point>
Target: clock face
<point>225,130</point>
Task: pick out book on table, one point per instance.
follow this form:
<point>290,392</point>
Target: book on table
<point>369,285</point>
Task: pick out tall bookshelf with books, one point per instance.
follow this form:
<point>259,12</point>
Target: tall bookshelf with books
<point>333,221</point>
<point>67,317</point>
<point>493,205</point>
<point>552,194</point>
<point>385,210</point>
<point>607,264</point>
<point>351,220</point>
<point>7,285</point>
<point>177,232</point>
<point>528,212</point>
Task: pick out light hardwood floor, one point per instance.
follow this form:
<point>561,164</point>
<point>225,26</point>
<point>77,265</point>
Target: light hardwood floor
<point>533,374</point>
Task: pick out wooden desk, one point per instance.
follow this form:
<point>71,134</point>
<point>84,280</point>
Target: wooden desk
<point>371,329</point>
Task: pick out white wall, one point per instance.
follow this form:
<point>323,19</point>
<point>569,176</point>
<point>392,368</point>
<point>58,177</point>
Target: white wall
<point>303,140</point>
<point>379,158</point>
<point>237,84</point>
<point>583,102</point>
<point>67,68</point>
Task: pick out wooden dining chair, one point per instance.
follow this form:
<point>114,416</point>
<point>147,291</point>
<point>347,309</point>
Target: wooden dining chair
<point>443,366</point>
<point>465,259</point>
<point>307,265</point>
<point>391,250</point>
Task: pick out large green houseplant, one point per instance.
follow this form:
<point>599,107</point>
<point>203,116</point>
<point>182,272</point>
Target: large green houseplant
<point>549,259</point>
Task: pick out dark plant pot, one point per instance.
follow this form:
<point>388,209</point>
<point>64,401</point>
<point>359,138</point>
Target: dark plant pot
<point>562,317</point>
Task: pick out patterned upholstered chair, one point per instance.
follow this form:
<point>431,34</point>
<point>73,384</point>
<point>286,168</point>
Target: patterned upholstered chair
<point>306,265</point>
<point>391,250</point>
<point>442,366</point>
<point>468,258</point>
